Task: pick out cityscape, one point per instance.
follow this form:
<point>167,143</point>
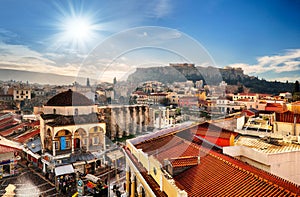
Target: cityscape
<point>142,99</point>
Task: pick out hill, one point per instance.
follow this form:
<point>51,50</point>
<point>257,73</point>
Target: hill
<point>210,75</point>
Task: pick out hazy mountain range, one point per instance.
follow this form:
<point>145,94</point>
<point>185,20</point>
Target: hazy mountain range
<point>36,77</point>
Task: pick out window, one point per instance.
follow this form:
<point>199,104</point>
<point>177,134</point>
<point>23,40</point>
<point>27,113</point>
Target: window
<point>54,111</point>
<point>17,96</point>
<point>17,92</point>
<point>56,143</point>
<point>26,92</point>
<point>27,97</point>
<point>85,141</point>
<point>68,144</point>
<point>154,170</point>
<point>76,112</point>
<point>95,140</point>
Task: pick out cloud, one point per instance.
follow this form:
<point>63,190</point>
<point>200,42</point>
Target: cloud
<point>286,62</point>
<point>162,8</point>
<point>159,8</point>
<point>21,57</point>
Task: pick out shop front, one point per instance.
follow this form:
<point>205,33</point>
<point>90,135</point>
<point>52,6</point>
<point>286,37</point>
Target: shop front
<point>64,178</point>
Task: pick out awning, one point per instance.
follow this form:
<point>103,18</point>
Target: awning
<point>92,178</point>
<point>61,170</point>
<point>117,154</point>
<point>78,163</point>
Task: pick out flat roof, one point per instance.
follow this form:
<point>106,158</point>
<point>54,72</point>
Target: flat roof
<point>260,145</point>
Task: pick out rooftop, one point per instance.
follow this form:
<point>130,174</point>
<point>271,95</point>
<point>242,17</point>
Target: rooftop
<point>263,146</point>
<point>6,149</point>
<point>288,116</point>
<point>69,98</point>
<point>216,174</point>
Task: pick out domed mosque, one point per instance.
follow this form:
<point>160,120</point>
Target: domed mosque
<point>71,134</point>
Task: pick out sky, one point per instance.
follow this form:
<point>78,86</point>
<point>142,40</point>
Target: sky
<point>106,39</point>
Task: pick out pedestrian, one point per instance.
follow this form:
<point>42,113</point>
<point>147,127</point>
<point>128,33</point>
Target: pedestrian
<point>118,193</point>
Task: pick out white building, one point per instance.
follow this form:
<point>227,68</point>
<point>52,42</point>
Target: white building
<point>277,157</point>
<point>21,94</point>
<point>71,133</point>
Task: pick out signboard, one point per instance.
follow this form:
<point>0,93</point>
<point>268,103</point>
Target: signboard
<point>80,187</point>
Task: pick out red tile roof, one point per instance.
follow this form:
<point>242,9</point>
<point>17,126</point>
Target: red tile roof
<point>6,149</point>
<point>184,161</point>
<point>248,113</point>
<point>10,131</point>
<point>27,136</point>
<point>287,116</point>
<point>207,129</point>
<point>217,174</point>
<point>276,107</point>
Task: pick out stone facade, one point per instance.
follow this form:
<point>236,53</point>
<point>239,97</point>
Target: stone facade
<point>124,120</point>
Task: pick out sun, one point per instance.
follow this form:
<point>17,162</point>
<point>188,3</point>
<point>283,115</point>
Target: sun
<point>78,29</point>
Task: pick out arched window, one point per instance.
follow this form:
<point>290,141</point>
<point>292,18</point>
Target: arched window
<point>76,112</point>
<point>54,111</point>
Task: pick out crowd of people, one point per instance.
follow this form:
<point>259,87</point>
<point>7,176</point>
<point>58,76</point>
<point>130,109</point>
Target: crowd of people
<point>65,183</point>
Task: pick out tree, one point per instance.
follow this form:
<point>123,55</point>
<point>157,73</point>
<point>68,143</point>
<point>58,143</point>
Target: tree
<point>296,87</point>
<point>296,93</point>
<point>240,89</point>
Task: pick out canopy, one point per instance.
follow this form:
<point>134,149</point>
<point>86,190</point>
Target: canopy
<point>116,154</point>
<point>61,170</point>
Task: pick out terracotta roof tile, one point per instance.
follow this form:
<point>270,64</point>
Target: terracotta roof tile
<point>217,174</point>
<point>27,136</point>
<point>184,161</point>
<point>6,149</point>
<point>11,130</point>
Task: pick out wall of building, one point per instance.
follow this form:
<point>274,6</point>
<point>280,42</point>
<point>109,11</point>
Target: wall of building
<point>153,167</point>
<point>294,107</point>
<point>70,110</point>
<point>22,94</point>
<point>285,165</point>
<point>285,128</point>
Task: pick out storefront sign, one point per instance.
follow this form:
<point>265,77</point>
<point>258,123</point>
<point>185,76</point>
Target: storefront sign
<point>80,187</point>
